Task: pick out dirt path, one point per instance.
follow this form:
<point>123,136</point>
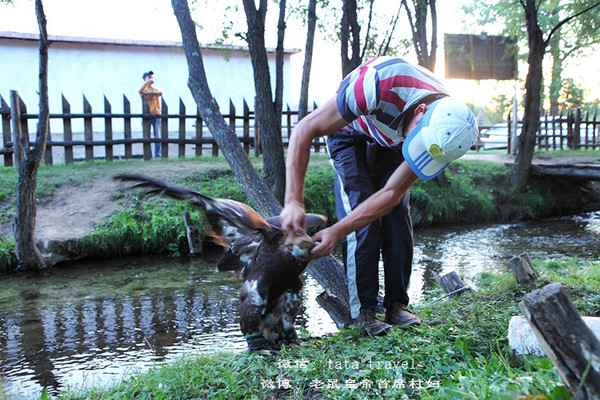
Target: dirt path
<point>75,210</point>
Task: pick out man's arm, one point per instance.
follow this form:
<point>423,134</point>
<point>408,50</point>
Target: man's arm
<point>376,206</point>
<point>323,121</point>
<point>153,92</point>
<point>144,86</point>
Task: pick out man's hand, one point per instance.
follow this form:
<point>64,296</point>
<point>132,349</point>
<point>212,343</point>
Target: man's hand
<point>293,217</point>
<point>326,240</point>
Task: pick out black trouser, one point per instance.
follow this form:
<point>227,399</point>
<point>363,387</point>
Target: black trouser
<point>362,167</point>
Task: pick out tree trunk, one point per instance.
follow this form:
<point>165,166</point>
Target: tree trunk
<point>279,52</point>
<point>433,53</point>
<point>246,176</point>
<point>270,122</point>
<point>556,83</point>
<point>526,145</point>
<point>308,54</point>
<point>350,38</point>
<point>426,55</point>
<point>327,271</point>
<point>28,255</point>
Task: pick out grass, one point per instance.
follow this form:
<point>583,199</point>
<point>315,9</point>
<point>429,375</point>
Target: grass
<point>479,191</point>
<point>460,352</point>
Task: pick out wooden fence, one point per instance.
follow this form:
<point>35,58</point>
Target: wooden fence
<point>562,132</point>
<point>568,132</point>
<point>106,135</point>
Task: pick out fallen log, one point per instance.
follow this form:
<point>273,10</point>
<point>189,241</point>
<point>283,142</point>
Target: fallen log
<point>566,339</point>
<point>580,172</point>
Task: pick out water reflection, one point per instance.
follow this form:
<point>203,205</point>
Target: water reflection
<point>91,323</point>
<point>60,327</point>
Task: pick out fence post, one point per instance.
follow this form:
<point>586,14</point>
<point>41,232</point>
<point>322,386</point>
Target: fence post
<point>48,149</point>
<point>246,121</point>
<point>164,129</point>
<point>181,128</point>
<point>576,129</point>
<point>108,133</point>
<point>257,149</point>
<point>6,133</point>
<point>67,130</point>
<point>215,146</point>
<point>127,127</point>
<point>288,121</point>
<point>199,141</point>
<point>88,130</point>
<point>587,129</point>
<point>595,136</point>
<point>17,131</point>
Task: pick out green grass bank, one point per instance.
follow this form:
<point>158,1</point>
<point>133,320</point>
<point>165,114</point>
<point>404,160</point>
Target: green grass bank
<point>477,191</point>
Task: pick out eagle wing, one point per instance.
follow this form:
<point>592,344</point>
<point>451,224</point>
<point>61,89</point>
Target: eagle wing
<point>231,224</point>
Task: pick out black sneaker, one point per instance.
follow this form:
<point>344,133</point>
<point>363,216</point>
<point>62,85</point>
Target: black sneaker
<point>399,315</point>
<point>371,325</point>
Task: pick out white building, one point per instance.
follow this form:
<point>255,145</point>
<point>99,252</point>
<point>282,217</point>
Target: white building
<point>112,67</point>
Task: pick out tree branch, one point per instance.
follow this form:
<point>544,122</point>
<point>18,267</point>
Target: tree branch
<point>362,56</point>
<point>564,21</point>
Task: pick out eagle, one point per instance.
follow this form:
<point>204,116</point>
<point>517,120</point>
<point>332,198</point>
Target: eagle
<point>270,261</point>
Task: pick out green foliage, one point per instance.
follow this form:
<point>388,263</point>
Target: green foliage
<point>319,197</point>
<point>149,226</point>
<point>216,183</point>
<point>470,196</point>
<point>7,252</point>
<point>571,95</point>
<point>8,183</point>
<point>477,192</point>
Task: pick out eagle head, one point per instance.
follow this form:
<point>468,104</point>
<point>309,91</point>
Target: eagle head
<point>300,245</point>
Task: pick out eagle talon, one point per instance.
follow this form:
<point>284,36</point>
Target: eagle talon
<point>260,343</point>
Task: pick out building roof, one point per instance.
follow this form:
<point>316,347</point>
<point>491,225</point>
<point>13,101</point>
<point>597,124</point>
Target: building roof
<point>123,42</point>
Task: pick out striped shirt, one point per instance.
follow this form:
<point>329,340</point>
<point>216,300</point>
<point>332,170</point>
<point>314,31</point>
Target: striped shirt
<point>374,97</point>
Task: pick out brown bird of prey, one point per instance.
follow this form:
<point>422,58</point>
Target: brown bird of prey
<point>271,262</point>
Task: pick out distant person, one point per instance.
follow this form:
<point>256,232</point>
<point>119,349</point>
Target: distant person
<point>152,95</point>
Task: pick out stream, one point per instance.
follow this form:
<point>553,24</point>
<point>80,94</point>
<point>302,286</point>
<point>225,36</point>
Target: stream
<point>91,323</point>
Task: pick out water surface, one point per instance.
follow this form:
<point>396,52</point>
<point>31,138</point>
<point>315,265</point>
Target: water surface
<point>91,323</point>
